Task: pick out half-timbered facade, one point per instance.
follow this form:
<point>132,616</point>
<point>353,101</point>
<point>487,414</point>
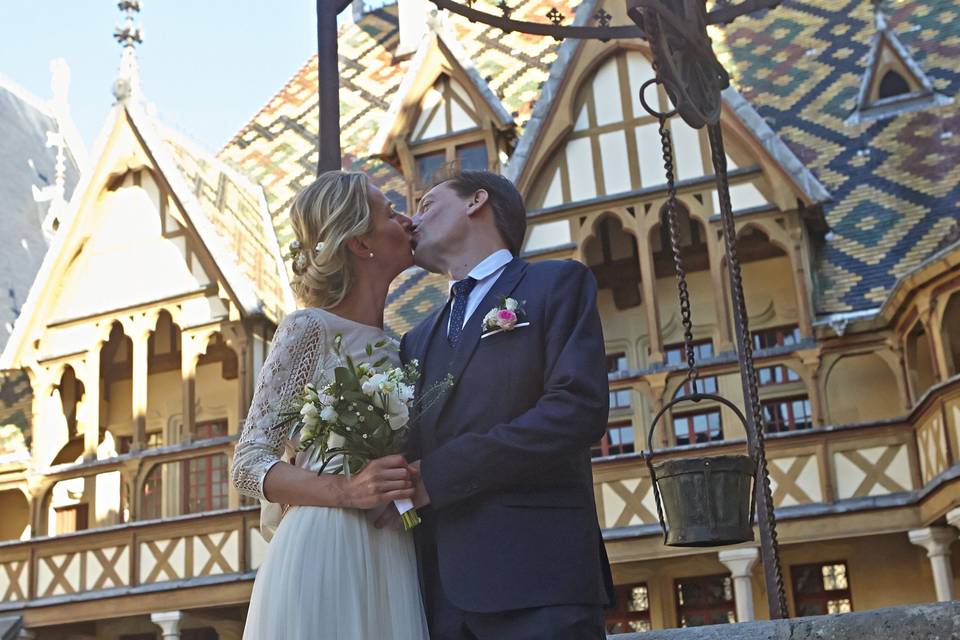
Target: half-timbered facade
<point>839,129</point>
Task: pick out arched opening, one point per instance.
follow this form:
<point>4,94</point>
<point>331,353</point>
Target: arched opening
<point>892,84</point>
<point>921,369</point>
<point>611,253</point>
<point>861,388</point>
<point>68,507</point>
<point>116,381</point>
<point>15,523</point>
<point>696,264</point>
<point>164,352</point>
<point>950,332</point>
<point>71,392</point>
<point>772,301</point>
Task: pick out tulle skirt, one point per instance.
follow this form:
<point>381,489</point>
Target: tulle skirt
<point>330,574</point>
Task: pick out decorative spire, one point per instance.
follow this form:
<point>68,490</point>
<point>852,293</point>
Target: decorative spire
<point>127,84</point>
<point>55,193</point>
<point>879,20</point>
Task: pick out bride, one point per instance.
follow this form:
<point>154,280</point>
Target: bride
<point>329,572</point>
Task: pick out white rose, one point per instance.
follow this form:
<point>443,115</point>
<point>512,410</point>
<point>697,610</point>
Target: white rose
<point>405,392</point>
<point>309,414</point>
<point>335,441</point>
<point>396,406</point>
<point>511,304</point>
<point>329,414</point>
<point>398,421</point>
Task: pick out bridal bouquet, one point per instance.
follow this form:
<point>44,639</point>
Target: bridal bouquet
<point>362,414</point>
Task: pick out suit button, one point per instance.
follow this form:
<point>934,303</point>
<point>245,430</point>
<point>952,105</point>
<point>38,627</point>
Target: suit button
<point>474,487</point>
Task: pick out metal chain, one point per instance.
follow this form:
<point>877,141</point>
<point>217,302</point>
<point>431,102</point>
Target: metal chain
<point>666,146</point>
<point>746,341</point>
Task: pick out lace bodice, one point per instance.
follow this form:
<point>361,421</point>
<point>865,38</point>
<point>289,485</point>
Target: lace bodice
<point>301,352</point>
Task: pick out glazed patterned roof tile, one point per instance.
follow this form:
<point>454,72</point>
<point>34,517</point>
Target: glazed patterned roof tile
<point>235,208</point>
<point>278,147</point>
<point>894,182</point>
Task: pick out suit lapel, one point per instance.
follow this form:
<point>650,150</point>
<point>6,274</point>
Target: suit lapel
<point>425,338</point>
<point>472,331</point>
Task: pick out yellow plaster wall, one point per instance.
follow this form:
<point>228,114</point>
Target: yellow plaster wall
<point>861,388</point>
<point>883,570</point>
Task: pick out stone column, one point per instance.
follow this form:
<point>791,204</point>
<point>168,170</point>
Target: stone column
<point>648,284</point>
<point>190,351</point>
<point>139,384</point>
<point>740,563</point>
<point>937,540</point>
<point>169,623</point>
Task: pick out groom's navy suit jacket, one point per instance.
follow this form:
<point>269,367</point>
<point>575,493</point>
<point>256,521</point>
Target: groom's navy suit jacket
<point>506,451</point>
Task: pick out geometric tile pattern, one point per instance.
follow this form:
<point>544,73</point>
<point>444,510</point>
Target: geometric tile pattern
<point>232,205</point>
<point>277,149</point>
<point>895,183</point>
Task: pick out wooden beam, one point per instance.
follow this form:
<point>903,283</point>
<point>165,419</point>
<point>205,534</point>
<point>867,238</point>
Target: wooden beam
<point>328,82</point>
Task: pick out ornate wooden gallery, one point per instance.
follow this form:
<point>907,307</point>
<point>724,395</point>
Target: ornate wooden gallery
<point>132,361</point>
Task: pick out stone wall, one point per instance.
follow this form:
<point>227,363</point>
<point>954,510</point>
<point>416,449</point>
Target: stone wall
<point>915,622</point>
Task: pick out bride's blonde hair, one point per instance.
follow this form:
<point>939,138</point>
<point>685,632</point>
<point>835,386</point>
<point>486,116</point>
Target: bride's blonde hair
<point>325,214</point>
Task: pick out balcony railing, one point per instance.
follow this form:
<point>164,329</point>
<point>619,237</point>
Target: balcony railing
<point>209,548</point>
<point>862,466</point>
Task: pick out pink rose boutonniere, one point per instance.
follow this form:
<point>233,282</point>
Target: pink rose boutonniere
<point>506,316</point>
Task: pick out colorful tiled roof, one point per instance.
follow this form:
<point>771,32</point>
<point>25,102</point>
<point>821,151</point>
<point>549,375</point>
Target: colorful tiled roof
<point>278,147</point>
<point>894,182</point>
<point>235,207</point>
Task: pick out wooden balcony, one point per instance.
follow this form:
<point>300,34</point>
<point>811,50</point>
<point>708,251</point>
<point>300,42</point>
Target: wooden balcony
<point>199,560</point>
<point>865,478</point>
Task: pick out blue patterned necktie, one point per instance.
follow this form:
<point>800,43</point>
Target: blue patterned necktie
<point>461,293</point>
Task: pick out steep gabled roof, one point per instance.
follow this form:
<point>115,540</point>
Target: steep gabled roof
<point>227,213</point>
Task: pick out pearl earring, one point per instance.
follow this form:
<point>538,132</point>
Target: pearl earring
<point>371,254</point>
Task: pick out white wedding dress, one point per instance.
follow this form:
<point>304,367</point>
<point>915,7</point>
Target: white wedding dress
<point>328,573</point>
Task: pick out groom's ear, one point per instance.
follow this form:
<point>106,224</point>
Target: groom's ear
<point>479,198</point>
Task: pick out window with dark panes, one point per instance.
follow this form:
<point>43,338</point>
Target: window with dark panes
<point>616,362</point>
<point>787,414</point>
<point>632,612</point>
<point>206,476</point>
<point>676,354</point>
<point>706,384</point>
<point>617,441</point>
<point>472,157</point>
<point>620,399</point>
<point>429,166</point>
<point>821,588</point>
<point>71,518</point>
<point>776,374</point>
<point>776,337</point>
<point>699,426</point>
<point>705,600</point>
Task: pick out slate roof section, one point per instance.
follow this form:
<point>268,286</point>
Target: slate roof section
<point>25,162</point>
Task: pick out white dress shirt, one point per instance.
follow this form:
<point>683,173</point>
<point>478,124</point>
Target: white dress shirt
<point>486,274</point>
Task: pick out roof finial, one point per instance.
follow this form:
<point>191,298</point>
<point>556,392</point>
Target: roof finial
<point>127,83</point>
<point>879,19</point>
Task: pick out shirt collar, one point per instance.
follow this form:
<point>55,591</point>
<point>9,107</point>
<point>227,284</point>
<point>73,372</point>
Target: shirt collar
<point>490,265</point>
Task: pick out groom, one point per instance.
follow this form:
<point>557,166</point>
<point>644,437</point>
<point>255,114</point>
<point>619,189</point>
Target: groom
<point>510,547</point>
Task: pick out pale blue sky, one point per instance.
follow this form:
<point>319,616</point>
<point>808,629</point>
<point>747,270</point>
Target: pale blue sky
<point>207,65</point>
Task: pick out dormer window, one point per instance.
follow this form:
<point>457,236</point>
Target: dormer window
<point>443,117</point>
<point>893,82</point>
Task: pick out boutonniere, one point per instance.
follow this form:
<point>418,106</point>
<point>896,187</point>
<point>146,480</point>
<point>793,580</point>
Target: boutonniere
<point>506,316</point>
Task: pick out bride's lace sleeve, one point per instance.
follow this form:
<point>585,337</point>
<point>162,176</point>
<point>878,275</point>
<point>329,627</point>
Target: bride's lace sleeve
<point>298,346</point>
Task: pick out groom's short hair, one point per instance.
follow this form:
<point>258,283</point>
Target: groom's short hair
<point>509,212</point>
